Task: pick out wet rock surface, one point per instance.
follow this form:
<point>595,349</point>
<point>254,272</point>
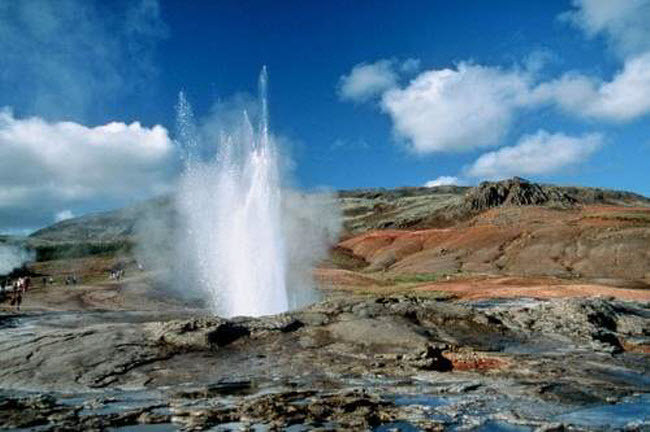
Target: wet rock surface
<point>355,363</point>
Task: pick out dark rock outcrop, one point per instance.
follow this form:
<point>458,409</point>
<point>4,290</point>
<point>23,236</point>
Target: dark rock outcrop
<point>516,192</point>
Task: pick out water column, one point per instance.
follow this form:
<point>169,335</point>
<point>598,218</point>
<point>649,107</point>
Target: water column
<point>231,211</point>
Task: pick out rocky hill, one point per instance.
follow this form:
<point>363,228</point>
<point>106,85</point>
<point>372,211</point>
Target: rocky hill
<point>512,227</point>
<point>107,226</point>
<point>363,210</point>
<point>447,205</point>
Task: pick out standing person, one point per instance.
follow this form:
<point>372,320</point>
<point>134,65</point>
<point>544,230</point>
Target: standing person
<point>14,293</point>
<point>18,299</point>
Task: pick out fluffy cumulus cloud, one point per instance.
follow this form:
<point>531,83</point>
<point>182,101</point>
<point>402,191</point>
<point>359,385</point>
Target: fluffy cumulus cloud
<point>444,181</point>
<point>369,80</point>
<point>624,98</point>
<point>537,154</point>
<point>472,106</point>
<point>623,22</point>
<point>456,109</point>
<point>54,166</point>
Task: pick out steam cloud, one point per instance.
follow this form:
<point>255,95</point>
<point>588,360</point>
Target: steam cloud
<point>13,256</point>
<point>190,247</point>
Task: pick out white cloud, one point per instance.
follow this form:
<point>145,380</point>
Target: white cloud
<point>625,97</point>
<point>541,153</point>
<point>444,181</point>
<point>46,165</point>
<point>63,215</point>
<point>456,109</point>
<point>623,22</point>
<point>472,106</point>
<point>538,59</point>
<point>367,80</point>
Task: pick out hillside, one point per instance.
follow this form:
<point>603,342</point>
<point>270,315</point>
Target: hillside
<point>107,226</point>
<point>364,209</point>
<point>511,227</point>
<point>444,206</point>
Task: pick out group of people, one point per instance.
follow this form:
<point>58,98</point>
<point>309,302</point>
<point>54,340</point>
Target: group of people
<point>18,288</point>
<point>71,279</point>
<point>116,274</point>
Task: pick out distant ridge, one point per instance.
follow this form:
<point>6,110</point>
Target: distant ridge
<point>105,226</point>
<point>442,206</point>
<point>363,209</point>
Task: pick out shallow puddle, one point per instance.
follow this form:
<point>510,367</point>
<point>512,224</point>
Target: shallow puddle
<point>497,426</point>
<point>632,411</point>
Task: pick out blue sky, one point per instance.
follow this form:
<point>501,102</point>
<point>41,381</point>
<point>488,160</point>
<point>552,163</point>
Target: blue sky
<point>364,93</point>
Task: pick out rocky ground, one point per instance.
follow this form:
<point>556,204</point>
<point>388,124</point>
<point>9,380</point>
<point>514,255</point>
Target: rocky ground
<point>349,362</point>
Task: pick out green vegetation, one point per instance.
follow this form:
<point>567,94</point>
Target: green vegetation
<point>55,251</point>
<point>344,259</point>
<point>418,278</point>
<point>396,290</point>
<point>638,217</point>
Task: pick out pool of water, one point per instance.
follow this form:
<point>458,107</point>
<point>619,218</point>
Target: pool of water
<point>498,426</point>
<point>488,426</point>
<point>631,411</point>
<point>420,399</point>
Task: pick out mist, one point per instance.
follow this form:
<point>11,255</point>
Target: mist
<point>195,248</point>
<point>12,257</point>
<point>312,224</point>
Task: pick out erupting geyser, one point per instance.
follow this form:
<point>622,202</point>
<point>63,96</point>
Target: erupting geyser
<point>234,234</point>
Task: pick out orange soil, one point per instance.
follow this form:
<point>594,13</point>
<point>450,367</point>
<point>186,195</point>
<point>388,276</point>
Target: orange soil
<point>342,278</point>
<point>491,227</point>
<point>636,348</point>
<point>475,361</point>
<point>597,242</point>
<point>504,287</point>
<point>486,287</point>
